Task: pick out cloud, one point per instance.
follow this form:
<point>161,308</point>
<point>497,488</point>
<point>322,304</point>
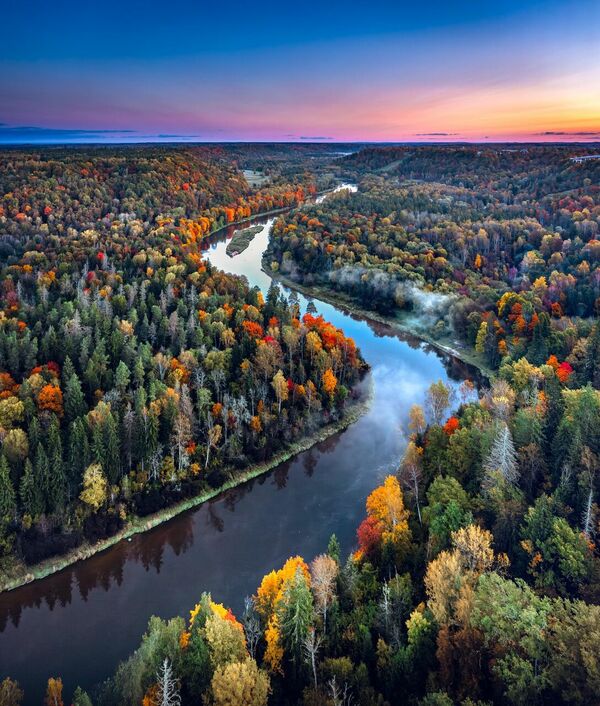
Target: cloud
<point>316,138</point>
<point>558,133</point>
<point>30,133</point>
<point>436,134</point>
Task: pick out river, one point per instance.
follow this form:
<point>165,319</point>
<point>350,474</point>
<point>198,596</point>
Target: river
<point>79,623</point>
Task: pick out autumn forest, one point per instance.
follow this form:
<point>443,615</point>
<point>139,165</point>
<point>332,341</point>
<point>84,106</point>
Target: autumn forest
<point>138,380</point>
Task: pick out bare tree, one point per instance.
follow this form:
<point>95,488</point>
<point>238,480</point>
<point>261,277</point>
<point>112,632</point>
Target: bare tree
<point>251,625</point>
<point>340,697</point>
<point>310,647</point>
<point>168,688</point>
<point>502,457</point>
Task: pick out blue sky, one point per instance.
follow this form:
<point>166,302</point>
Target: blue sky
<point>370,71</point>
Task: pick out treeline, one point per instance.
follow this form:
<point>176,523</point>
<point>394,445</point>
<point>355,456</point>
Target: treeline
<point>133,374</point>
<point>475,578</point>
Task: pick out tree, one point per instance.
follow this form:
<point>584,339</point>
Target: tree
<point>50,398</point>
<point>329,381</point>
<point>437,401</point>
<point>416,420</point>
<point>11,693</point>
<point>7,492</point>
<point>280,387</point>
<point>323,572</point>
<point>502,458</point>
<point>225,639</point>
<point>239,683</point>
<point>295,613</point>
<point>311,646</point>
<point>386,505</point>
<point>167,692</point>
<point>16,446</point>
<point>411,472</point>
<point>80,698</point>
<point>54,692</point>
<point>30,492</point>
<point>12,410</point>
<point>74,399</point>
<point>95,487</point>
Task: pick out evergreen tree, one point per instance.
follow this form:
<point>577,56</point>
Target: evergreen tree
<point>30,493</point>
<point>58,485</point>
<point>296,615</point>
<point>591,367</point>
<point>7,492</point>
<point>74,398</point>
<point>42,476</point>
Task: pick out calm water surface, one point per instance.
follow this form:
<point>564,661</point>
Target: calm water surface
<point>79,623</point>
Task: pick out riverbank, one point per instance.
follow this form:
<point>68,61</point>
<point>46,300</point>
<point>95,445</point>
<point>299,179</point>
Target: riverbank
<point>347,304</point>
<point>21,574</point>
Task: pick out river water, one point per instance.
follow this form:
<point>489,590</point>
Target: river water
<point>79,623</point>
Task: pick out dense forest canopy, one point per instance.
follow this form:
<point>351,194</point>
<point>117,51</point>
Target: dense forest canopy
<point>133,373</point>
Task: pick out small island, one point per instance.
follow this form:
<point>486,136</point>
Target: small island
<point>241,240</point>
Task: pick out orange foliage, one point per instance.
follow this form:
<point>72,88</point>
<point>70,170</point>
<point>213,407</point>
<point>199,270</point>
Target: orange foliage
<point>51,398</point>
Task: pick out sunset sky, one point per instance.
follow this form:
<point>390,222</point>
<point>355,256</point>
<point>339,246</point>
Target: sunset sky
<point>327,71</point>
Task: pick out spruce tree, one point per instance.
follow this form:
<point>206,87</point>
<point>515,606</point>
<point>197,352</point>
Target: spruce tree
<point>74,398</point>
<point>58,483</point>
<point>30,492</point>
<point>7,492</point>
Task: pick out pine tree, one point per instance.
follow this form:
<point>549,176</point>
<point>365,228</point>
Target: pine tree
<point>42,476</point>
<point>79,454</point>
<point>58,486</point>
<point>30,493</point>
<point>112,453</point>
<point>7,492</point>
<point>296,614</point>
<point>74,398</point>
<point>591,366</point>
<point>502,457</point>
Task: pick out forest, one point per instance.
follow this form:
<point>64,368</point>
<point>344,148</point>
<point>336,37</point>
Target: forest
<point>135,373</point>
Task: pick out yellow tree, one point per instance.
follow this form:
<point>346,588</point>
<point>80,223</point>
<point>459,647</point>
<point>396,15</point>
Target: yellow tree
<point>386,505</point>
<point>54,692</point>
<point>280,386</point>
<point>95,486</point>
<point>240,683</point>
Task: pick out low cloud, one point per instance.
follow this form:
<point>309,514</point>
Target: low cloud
<point>29,134</point>
<point>315,138</point>
<point>558,133</point>
<point>437,134</point>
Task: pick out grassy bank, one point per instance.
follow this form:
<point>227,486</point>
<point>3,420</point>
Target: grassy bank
<point>241,240</point>
<point>347,304</point>
<point>19,574</point>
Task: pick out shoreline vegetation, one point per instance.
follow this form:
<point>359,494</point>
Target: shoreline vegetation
<point>347,304</point>
<point>241,240</point>
<point>24,575</point>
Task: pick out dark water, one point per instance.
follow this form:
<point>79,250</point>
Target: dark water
<point>79,623</point>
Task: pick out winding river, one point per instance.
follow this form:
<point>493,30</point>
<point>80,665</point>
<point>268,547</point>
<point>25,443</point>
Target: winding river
<point>80,622</point>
